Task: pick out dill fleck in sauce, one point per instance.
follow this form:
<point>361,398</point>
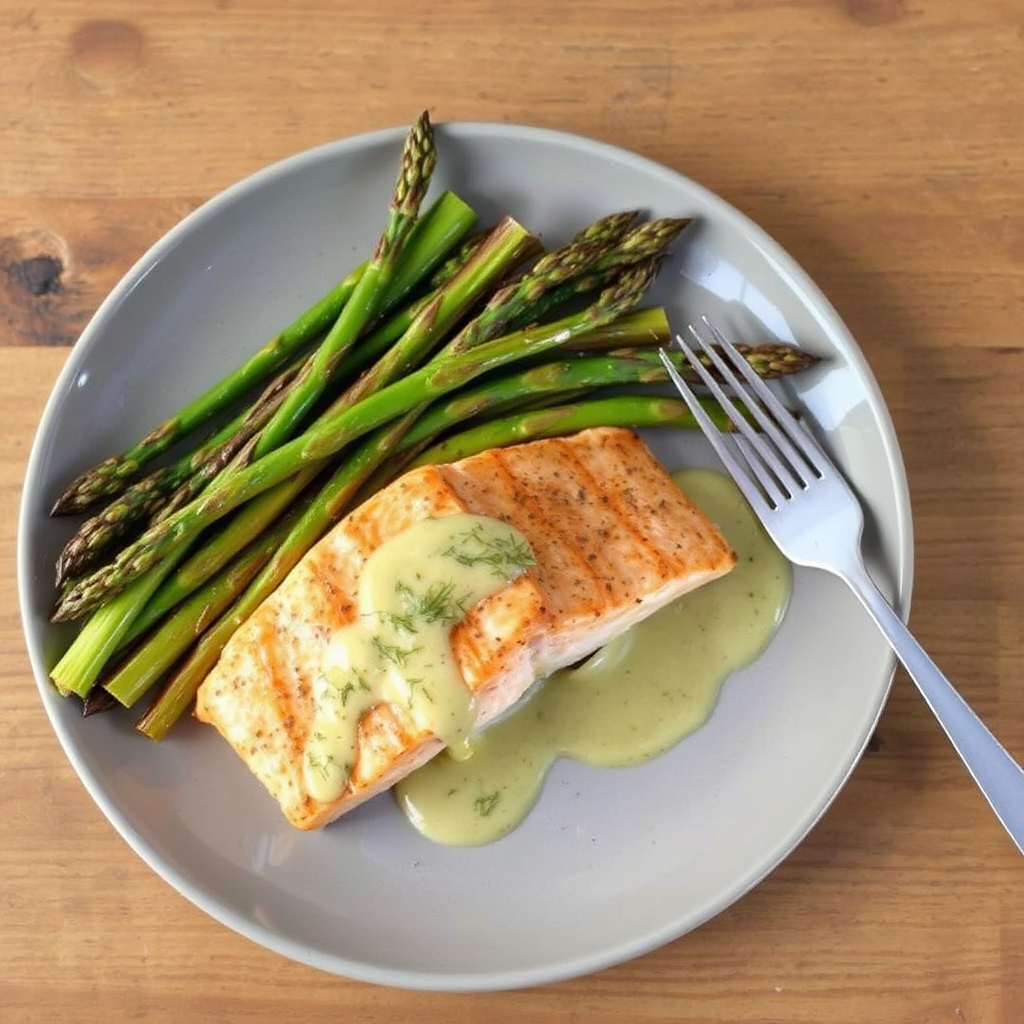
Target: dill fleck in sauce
<point>632,700</point>
<point>413,589</point>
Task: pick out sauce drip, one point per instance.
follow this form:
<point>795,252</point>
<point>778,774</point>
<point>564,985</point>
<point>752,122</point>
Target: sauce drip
<point>630,701</point>
<point>412,590</point>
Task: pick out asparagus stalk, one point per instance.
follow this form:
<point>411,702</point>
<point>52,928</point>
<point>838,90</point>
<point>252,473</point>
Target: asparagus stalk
<point>111,476</point>
<point>98,534</point>
<point>166,488</point>
<point>645,241</point>
<point>83,662</point>
<point>376,342</point>
<point>507,244</point>
<point>546,382</point>
<point>635,411</point>
<point>453,264</point>
<point>332,433</point>
<point>440,228</point>
<point>206,561</point>
<point>551,381</point>
<point>550,271</point>
<point>419,157</point>
<point>151,660</point>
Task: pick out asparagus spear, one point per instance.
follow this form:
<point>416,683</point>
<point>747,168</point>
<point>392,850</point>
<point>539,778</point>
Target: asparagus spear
<point>112,475</point>
<point>556,421</point>
<point>441,227</point>
<point>98,534</point>
<point>332,433</point>
<point>645,241</point>
<point>207,559</point>
<point>550,381</point>
<point>376,342</point>
<point>552,270</point>
<point>81,664</point>
<point>144,666</point>
<point>168,487</point>
<point>507,244</point>
<point>453,264</point>
<point>419,157</point>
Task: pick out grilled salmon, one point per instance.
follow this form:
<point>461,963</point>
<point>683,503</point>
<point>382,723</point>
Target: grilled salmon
<point>612,540</point>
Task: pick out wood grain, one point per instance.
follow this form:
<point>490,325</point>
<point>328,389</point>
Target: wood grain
<point>880,141</point>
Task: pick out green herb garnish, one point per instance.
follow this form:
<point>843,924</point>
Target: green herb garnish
<point>506,555</point>
<point>438,604</point>
<point>484,805</point>
<point>341,686</point>
<point>417,686</point>
<point>325,764</point>
<point>396,654</point>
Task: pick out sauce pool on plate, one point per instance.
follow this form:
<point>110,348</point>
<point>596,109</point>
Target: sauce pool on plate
<point>629,702</point>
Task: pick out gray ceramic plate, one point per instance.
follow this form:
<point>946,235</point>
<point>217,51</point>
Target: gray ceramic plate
<point>610,864</point>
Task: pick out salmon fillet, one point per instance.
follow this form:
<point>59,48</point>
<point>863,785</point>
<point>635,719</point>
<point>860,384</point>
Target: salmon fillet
<point>613,540</point>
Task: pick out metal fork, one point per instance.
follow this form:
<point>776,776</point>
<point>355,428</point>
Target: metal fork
<point>815,519</point>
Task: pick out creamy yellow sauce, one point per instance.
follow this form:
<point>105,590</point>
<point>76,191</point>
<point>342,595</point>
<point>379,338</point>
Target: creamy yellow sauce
<point>412,590</point>
<point>632,700</point>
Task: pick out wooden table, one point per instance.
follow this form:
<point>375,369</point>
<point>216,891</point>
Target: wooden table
<point>880,141</point>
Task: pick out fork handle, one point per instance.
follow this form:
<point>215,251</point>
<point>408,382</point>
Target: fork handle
<point>998,776</point>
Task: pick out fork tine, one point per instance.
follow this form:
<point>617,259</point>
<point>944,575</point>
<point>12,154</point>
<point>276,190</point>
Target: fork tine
<point>772,485</point>
<point>737,470</point>
<point>800,441</point>
<point>775,474</point>
<point>771,444</point>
